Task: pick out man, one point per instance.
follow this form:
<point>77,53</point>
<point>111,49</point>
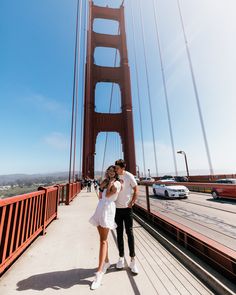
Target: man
<point>124,214</point>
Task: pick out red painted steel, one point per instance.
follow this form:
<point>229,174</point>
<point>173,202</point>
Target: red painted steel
<point>95,122</point>
<point>205,178</point>
<point>16,224</point>
<point>67,192</point>
<point>24,217</point>
<point>217,255</point>
<point>62,193</point>
<point>209,178</point>
<point>14,227</point>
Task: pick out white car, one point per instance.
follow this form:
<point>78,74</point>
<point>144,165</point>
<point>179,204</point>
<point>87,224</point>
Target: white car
<point>170,191</point>
<point>148,179</point>
<point>167,180</point>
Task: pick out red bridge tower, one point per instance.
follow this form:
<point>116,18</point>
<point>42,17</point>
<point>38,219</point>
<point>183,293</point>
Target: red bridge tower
<point>95,122</point>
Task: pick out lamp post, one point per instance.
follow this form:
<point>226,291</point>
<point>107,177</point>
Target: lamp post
<point>149,173</point>
<point>185,158</point>
<point>137,167</point>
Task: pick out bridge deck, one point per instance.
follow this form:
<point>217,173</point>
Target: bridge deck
<point>65,259</point>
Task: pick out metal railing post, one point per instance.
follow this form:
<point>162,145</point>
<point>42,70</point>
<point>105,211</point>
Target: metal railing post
<point>147,198</point>
<point>44,208</point>
<point>68,194</point>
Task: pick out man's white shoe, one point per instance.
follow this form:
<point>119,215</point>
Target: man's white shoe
<point>121,263</point>
<point>97,281</point>
<point>106,266</point>
<point>133,267</point>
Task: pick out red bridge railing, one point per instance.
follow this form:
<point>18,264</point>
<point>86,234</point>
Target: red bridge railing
<point>25,217</point>
<point>215,254</point>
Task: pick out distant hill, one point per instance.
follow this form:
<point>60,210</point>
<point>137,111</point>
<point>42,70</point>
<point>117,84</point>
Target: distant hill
<point>27,179</point>
<point>32,178</point>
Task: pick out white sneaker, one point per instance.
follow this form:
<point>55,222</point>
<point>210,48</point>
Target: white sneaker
<point>106,266</point>
<point>97,281</point>
<point>121,263</point>
<point>133,267</point>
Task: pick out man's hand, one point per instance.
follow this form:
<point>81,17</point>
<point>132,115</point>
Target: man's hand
<point>134,198</point>
<point>131,204</point>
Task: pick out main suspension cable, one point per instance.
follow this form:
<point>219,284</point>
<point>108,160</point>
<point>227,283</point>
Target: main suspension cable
<point>74,90</point>
<point>77,84</point>
<point>149,94</point>
<point>138,90</point>
<point>196,92</point>
<point>165,88</point>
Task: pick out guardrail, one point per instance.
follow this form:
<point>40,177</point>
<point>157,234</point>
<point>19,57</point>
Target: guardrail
<point>72,190</point>
<point>223,190</point>
<point>204,178</point>
<point>215,254</point>
<point>25,217</point>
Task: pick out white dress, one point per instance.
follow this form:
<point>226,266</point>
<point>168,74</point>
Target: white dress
<point>104,214</point>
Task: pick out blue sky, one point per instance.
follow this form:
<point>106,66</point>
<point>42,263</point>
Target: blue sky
<point>36,80</point>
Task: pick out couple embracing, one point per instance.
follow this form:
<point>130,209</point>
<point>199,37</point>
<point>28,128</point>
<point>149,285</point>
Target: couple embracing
<point>118,193</point>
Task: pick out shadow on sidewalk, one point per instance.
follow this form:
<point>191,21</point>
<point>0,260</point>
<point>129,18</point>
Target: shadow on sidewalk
<point>57,280</point>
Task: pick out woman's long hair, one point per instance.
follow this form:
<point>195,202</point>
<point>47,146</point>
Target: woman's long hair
<point>116,175</point>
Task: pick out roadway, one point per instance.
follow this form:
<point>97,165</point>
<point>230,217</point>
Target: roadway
<point>215,219</point>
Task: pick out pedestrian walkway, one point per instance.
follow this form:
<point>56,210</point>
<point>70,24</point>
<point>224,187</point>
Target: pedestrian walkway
<point>65,259</point>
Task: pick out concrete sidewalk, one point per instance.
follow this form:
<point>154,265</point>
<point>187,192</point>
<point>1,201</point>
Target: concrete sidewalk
<point>65,259</point>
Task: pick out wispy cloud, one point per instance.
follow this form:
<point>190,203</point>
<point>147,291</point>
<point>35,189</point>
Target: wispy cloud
<point>48,104</point>
<point>57,141</point>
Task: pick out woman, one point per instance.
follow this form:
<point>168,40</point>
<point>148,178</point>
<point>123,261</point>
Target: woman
<point>104,219</point>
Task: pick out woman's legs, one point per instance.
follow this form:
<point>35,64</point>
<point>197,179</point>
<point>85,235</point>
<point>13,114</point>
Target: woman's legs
<point>107,259</point>
<point>103,252</point>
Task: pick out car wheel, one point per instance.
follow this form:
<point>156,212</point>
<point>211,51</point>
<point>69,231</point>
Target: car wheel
<point>166,194</point>
<point>215,195</point>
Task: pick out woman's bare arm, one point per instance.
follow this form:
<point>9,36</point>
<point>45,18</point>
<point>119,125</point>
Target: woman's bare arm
<point>111,189</point>
<point>100,195</point>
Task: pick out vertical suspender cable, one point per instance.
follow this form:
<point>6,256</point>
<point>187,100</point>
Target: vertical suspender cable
<point>196,92</point>
<point>75,127</point>
<point>83,83</point>
<point>149,95</point>
<point>139,103</point>
<point>165,88</point>
<point>121,145</point>
<point>73,98</point>
<point>77,84</point>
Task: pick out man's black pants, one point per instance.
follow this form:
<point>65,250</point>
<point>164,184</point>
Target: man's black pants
<point>125,216</point>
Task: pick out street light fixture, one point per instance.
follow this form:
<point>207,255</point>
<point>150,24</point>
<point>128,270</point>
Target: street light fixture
<point>137,169</point>
<point>185,158</point>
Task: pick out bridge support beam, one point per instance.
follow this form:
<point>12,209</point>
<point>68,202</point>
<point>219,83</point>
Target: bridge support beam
<point>95,122</point>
